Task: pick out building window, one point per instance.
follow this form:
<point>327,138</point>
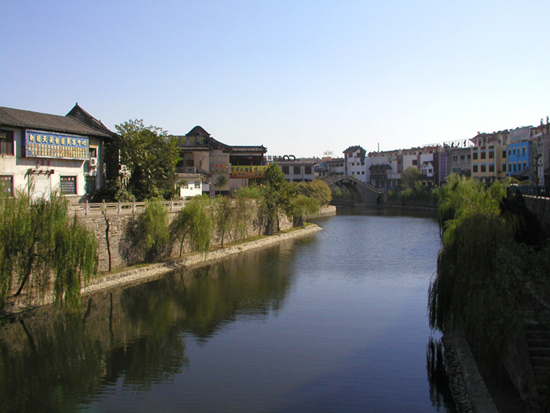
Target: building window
<point>6,183</point>
<point>475,155</point>
<point>6,142</point>
<point>504,154</point>
<point>455,158</point>
<point>89,184</point>
<point>491,154</point>
<point>483,167</point>
<point>462,157</point>
<point>474,168</point>
<point>285,169</point>
<point>504,167</point>
<point>68,185</point>
<point>414,162</point>
<point>197,184</point>
<point>483,155</point>
<point>307,169</point>
<point>491,167</point>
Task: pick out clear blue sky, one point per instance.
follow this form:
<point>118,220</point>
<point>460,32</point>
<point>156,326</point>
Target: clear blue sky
<point>300,77</point>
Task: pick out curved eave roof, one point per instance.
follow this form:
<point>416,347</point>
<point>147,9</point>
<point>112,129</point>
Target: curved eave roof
<point>27,119</point>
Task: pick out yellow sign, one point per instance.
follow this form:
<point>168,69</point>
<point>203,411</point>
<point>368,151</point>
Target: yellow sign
<point>248,171</point>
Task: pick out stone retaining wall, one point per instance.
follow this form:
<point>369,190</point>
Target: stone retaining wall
<point>153,271</point>
<point>123,247</point>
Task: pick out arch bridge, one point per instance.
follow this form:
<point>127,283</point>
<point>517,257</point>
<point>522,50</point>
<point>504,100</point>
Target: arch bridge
<point>363,194</point>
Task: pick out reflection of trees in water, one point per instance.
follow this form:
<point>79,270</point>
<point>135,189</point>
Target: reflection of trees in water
<point>440,393</point>
<point>47,366</point>
<point>52,362</point>
<point>206,298</point>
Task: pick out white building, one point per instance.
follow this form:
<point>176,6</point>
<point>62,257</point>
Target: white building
<point>50,152</point>
<point>355,165</point>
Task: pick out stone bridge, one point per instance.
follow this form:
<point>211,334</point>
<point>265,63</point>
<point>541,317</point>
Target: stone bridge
<point>363,194</point>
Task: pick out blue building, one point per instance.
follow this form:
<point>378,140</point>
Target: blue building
<point>519,155</point>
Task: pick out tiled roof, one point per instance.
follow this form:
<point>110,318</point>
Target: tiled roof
<point>27,119</point>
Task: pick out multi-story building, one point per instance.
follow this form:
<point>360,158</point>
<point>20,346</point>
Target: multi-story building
<point>489,155</point>
<point>46,152</point>
<point>519,161</point>
<point>330,166</point>
<point>355,165</point>
<point>297,170</point>
<point>205,159</point>
<point>455,157</point>
<point>385,168</point>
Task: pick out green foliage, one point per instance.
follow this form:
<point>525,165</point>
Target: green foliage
<point>70,267</point>
<point>151,156</point>
<point>221,181</point>
<point>410,176</point>
<point>277,195</point>
<point>41,244</point>
<point>153,233</point>
<point>304,206</point>
<point>246,201</point>
<point>224,216</point>
<point>194,221</point>
<point>114,191</point>
<point>474,286</point>
<point>317,189</point>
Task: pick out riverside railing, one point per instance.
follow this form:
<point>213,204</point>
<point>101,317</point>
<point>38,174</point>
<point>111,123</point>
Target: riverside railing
<point>87,208</point>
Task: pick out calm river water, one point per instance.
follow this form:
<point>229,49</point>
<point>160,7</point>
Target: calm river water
<point>333,323</point>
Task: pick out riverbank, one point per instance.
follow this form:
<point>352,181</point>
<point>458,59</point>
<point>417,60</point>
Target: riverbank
<point>148,272</point>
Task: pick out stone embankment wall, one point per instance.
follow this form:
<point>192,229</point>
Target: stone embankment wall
<point>120,229</point>
<point>540,207</point>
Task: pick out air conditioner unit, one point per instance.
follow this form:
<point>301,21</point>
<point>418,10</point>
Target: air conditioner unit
<point>93,161</point>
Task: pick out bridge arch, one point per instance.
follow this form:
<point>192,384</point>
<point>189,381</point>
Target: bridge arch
<point>361,192</point>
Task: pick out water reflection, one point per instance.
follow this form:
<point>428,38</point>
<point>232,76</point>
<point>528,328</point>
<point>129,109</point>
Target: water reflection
<point>440,393</point>
<point>336,322</point>
<point>134,337</point>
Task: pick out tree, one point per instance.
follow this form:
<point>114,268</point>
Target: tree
<point>302,207</point>
<point>153,233</point>
<point>39,238</point>
<point>409,176</point>
<point>151,155</point>
<point>246,199</point>
<point>277,196</point>
<point>224,216</point>
<point>317,189</point>
<point>221,181</point>
<point>194,221</point>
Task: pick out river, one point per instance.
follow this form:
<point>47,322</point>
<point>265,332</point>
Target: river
<point>336,322</point>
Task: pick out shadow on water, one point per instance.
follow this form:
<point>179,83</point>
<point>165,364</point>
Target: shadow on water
<point>52,362</point>
<point>440,393</point>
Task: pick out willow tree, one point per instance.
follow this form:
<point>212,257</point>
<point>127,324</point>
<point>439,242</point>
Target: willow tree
<point>41,245</point>
<point>246,202</point>
<point>194,221</point>
<point>153,233</point>
<point>224,217</point>
<point>472,289</point>
<point>304,206</point>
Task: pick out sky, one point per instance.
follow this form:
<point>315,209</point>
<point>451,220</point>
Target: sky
<point>300,77</point>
